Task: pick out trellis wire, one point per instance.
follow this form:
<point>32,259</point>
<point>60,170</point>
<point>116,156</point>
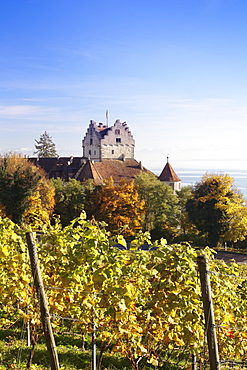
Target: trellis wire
<point>73,290</point>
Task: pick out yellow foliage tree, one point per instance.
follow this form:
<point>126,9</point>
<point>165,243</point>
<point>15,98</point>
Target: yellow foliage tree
<point>26,195</point>
<point>218,209</point>
<point>119,206</point>
<point>41,204</point>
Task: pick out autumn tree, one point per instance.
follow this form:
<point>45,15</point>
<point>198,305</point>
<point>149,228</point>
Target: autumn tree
<point>218,209</point>
<point>161,209</point>
<point>25,193</point>
<point>45,146</point>
<point>41,204</point>
<point>118,205</point>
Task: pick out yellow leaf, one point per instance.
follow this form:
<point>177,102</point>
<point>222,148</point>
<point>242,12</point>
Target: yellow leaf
<point>153,361</point>
<point>5,251</point>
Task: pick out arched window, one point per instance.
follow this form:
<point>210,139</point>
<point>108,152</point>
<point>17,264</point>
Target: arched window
<point>117,132</point>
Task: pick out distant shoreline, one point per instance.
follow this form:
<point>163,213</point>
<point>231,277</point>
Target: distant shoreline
<point>192,176</point>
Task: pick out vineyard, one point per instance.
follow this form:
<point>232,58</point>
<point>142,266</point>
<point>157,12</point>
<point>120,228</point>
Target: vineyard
<point>143,308</point>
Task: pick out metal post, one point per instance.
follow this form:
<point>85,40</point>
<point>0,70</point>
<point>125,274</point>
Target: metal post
<point>193,362</point>
<point>94,360</point>
<point>106,114</point>
<point>28,334</point>
<point>94,364</point>
<point>45,316</point>
<point>208,313</point>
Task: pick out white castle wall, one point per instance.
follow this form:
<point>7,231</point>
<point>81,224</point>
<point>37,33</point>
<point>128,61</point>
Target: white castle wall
<point>117,143</point>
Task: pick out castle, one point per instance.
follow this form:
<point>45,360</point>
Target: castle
<point>102,142</point>
<point>107,152</point>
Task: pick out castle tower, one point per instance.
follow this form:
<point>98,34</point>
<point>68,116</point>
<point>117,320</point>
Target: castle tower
<point>102,142</point>
<point>168,175</point>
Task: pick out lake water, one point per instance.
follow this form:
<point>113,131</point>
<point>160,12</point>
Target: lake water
<point>191,177</point>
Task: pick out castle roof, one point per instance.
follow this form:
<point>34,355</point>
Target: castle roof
<point>168,174</point>
<point>117,169</point>
<point>63,167</point>
<point>101,130</point>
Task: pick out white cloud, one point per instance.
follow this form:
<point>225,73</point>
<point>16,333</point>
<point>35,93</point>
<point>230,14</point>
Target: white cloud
<point>9,111</point>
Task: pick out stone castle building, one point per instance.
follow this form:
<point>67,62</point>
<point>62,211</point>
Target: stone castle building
<point>107,152</point>
<point>102,142</point>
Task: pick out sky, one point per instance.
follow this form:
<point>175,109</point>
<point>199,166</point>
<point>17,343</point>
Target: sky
<point>174,70</point>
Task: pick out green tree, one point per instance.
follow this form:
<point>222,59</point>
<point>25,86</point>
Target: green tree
<point>161,208</point>
<point>45,146</point>
<point>187,230</point>
<point>217,209</point>
<point>183,196</point>
<point>24,190</point>
<point>69,199</point>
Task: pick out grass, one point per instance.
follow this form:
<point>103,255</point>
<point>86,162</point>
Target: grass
<point>14,353</point>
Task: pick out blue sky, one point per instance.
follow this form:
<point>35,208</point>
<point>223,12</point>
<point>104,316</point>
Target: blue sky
<point>174,70</point>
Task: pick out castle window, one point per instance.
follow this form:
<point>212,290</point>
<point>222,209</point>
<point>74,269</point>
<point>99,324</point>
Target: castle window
<point>95,152</point>
<point>91,141</point>
<point>112,152</point>
<point>89,152</point>
<point>117,132</point>
<point>118,140</point>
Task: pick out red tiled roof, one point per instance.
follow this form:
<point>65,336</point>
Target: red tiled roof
<point>87,171</point>
<point>117,169</point>
<point>168,174</point>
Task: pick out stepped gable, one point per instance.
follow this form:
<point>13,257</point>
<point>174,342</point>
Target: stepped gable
<point>168,174</point>
<point>117,169</point>
<point>103,142</point>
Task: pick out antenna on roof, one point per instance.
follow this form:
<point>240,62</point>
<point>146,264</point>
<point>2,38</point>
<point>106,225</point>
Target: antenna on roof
<point>106,116</point>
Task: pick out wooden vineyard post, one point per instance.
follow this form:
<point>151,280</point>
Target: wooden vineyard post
<point>208,313</point>
<point>45,316</point>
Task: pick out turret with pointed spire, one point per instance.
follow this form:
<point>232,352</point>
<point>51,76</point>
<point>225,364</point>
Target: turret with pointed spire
<point>169,176</point>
